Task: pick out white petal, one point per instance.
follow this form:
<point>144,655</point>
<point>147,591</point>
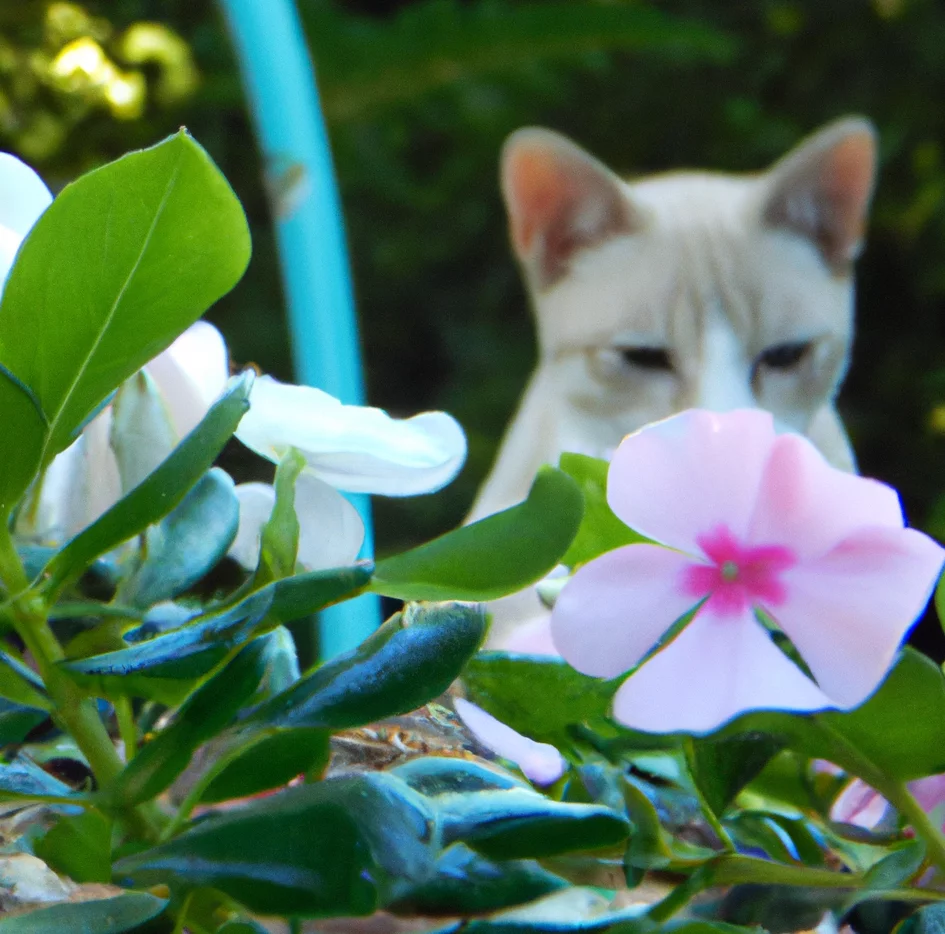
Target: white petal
<point>23,197</point>
<point>330,530</point>
<point>256,501</point>
<point>191,374</point>
<point>540,762</point>
<point>354,448</point>
<point>142,434</point>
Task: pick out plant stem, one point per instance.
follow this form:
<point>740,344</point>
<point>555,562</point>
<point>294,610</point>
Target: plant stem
<point>899,796</point>
<point>126,727</point>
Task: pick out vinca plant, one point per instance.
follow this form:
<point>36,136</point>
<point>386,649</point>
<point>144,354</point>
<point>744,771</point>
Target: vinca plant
<point>711,726</point>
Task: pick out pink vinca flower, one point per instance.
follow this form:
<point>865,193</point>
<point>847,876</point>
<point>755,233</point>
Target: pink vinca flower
<point>751,520</point>
<point>864,806</point>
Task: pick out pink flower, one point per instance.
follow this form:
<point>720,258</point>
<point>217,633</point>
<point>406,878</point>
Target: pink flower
<point>541,763</point>
<point>752,521</point>
<point>863,805</point>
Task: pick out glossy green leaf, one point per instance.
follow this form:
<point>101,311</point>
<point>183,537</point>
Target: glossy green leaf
<point>438,775</point>
<point>160,492</point>
<point>119,265</point>
<point>182,654</point>
<point>187,543</point>
<point>927,920</point>
<point>897,868</point>
<point>341,846</point>
<point>540,696</point>
<point>16,721</point>
<point>722,767</point>
<point>271,759</point>
<point>465,882</point>
<point>79,846</point>
<point>116,915</point>
<point>207,711</point>
<point>304,594</point>
<point>600,529</point>
<point>21,685</point>
<point>410,660</point>
<point>495,556</point>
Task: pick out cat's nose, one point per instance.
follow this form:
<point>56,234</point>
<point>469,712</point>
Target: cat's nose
<point>721,391</point>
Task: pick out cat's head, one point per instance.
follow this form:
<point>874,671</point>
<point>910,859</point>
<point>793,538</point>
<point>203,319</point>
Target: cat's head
<point>691,289</point>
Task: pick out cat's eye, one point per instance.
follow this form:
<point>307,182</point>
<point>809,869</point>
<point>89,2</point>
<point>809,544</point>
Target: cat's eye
<point>784,356</point>
<point>647,358</point>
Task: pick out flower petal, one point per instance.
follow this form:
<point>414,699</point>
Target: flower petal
<point>540,762</point>
<point>713,671</point>
<point>23,196</point>
<point>616,608</point>
<point>191,374</point>
<point>682,477</point>
<point>354,448</point>
<point>847,611</point>
<point>859,804</point>
<point>807,504</point>
<point>256,501</point>
<point>330,530</point>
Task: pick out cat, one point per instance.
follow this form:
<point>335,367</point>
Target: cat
<point>682,290</point>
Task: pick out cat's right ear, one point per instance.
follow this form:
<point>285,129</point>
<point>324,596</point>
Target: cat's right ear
<point>560,200</point>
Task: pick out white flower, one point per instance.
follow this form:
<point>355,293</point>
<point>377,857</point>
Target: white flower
<point>348,447</point>
<point>23,197</point>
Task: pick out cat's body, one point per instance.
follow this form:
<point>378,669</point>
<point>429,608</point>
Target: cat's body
<point>686,290</point>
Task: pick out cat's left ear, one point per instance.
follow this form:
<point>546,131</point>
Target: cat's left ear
<point>822,189</point>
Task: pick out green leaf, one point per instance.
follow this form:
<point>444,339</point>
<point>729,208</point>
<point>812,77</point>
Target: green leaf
<point>271,759</point>
<point>207,711</point>
<point>300,596</point>
<point>436,775</point>
<point>116,915</point>
<point>600,530</point>
<point>897,868</point>
<point>242,927</point>
<point>722,767</point>
<point>340,847</point>
<point>160,492</point>
<point>123,261</point>
<point>410,660</point>
<point>187,543</point>
<point>279,542</point>
<point>182,654</point>
<point>540,696</point>
<point>79,846</point>
<point>927,920</point>
<point>20,684</point>
<point>495,556</point>
<point>16,721</point>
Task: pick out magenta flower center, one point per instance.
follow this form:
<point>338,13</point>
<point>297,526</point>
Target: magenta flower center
<point>736,577</point>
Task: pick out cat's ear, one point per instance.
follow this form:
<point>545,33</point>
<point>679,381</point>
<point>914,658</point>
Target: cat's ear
<point>560,200</point>
<point>822,189</point>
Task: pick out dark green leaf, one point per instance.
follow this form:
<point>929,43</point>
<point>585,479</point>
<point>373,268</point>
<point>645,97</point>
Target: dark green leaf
<point>79,846</point>
<point>242,927</point>
<point>898,868</point>
<point>298,596</point>
<point>187,543</point>
<point>116,915</point>
<point>438,775</point>
<point>410,660</point>
<point>273,758</point>
<point>342,846</point>
<point>465,882</point>
<point>160,492</point>
<point>182,654</point>
<point>927,920</point>
<point>119,265</point>
<point>494,556</point>
<point>600,529</point>
<point>16,721</point>
<point>207,711</point>
<point>722,767</point>
<point>539,696</point>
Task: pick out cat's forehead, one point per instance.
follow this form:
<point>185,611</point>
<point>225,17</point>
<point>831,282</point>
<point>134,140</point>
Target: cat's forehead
<point>685,200</point>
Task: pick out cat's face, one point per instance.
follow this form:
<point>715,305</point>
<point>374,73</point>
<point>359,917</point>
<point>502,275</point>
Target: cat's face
<point>689,289</point>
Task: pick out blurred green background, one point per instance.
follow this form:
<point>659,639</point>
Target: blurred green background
<point>419,95</point>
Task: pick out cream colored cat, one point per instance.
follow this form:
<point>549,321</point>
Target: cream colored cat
<point>690,289</point>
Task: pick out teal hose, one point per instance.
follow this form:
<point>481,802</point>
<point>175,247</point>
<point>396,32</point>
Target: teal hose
<point>283,97</point>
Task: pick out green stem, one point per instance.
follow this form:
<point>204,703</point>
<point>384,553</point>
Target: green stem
<point>126,727</point>
<point>707,811</point>
<point>899,796</point>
